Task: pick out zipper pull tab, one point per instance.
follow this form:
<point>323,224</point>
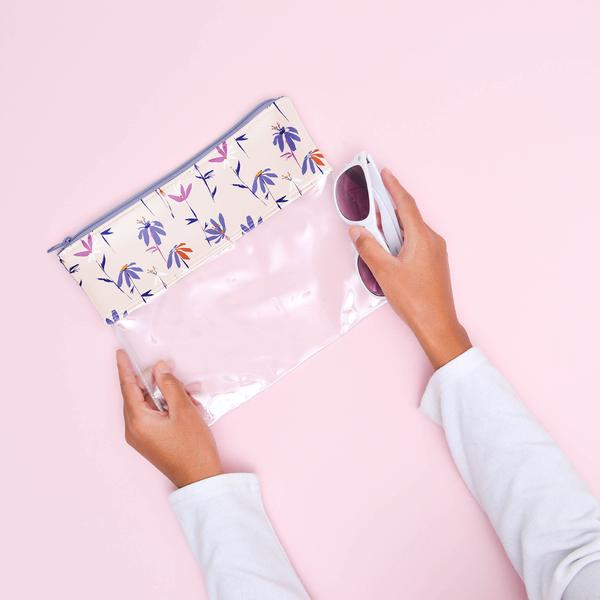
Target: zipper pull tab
<point>62,244</point>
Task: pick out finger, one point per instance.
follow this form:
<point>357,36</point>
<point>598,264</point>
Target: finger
<point>193,387</point>
<point>133,398</point>
<point>378,216</point>
<point>148,375</point>
<point>194,401</point>
<point>149,401</point>
<point>408,212</point>
<point>172,389</point>
<point>377,259</point>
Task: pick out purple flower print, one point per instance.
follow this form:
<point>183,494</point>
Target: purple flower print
<point>265,178</point>
<point>217,232</point>
<point>286,135</point>
<point>250,224</point>
<point>115,317</point>
<point>129,273</point>
<point>223,157</point>
<point>89,250</point>
<point>184,194</point>
<point>151,229</point>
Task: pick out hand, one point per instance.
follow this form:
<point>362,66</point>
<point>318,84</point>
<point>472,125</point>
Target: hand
<point>416,283</point>
<point>177,442</point>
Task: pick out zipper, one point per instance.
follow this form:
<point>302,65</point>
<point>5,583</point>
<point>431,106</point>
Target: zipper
<point>176,172</point>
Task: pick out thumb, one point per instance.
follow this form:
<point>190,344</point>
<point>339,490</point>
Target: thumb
<point>376,258</point>
<point>172,389</point>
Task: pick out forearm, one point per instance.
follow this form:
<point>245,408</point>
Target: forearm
<point>232,539</point>
<point>545,515</point>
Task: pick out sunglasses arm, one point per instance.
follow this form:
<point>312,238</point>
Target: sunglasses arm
<point>374,231</point>
<point>389,222</point>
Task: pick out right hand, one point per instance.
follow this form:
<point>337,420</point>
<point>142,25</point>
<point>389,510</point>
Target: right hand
<point>416,283</point>
<point>177,442</point>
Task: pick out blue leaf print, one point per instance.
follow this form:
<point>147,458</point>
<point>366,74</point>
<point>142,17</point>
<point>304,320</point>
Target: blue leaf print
<point>277,107</point>
<point>106,233</point>
<point>242,183</point>
<point>147,208</point>
<point>204,177</point>
<point>281,201</point>
<point>241,138</point>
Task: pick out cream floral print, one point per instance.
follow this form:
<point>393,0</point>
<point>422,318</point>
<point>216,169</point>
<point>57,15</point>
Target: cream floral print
<point>175,228</point>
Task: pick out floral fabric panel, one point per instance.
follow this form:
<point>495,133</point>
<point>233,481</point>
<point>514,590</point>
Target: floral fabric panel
<point>147,247</point>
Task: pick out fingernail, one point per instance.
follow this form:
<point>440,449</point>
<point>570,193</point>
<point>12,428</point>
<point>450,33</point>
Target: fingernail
<point>386,170</point>
<point>354,233</point>
<point>163,367</point>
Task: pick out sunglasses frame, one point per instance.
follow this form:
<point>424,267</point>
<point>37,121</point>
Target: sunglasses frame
<point>391,239</point>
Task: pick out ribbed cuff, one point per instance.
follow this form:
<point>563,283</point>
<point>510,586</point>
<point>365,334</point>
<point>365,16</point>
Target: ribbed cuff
<point>446,375</point>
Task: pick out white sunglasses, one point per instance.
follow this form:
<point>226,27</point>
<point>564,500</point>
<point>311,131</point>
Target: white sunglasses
<point>358,192</point>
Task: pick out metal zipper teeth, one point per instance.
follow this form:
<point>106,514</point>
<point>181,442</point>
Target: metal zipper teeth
<point>176,172</point>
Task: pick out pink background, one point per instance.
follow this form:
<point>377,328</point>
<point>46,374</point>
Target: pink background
<point>487,112</point>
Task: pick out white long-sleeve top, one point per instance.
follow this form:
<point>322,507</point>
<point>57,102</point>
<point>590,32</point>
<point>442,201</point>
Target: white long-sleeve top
<point>545,515</point>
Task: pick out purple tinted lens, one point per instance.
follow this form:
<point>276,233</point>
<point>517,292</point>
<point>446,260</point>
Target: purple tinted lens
<point>352,194</point>
<point>368,278</point>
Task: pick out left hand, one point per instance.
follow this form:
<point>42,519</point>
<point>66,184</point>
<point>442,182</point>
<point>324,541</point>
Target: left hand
<point>178,442</point>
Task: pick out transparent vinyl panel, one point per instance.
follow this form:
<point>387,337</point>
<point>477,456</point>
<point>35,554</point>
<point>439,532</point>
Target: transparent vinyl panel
<point>239,322</point>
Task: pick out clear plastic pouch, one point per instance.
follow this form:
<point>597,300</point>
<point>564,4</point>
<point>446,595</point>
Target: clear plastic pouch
<point>235,266</point>
<point>242,320</point>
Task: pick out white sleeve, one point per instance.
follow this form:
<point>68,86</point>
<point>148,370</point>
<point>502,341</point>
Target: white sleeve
<point>545,515</point>
<point>226,527</point>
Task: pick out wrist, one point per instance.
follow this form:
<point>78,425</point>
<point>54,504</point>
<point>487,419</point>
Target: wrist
<point>442,341</point>
<point>193,475</point>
